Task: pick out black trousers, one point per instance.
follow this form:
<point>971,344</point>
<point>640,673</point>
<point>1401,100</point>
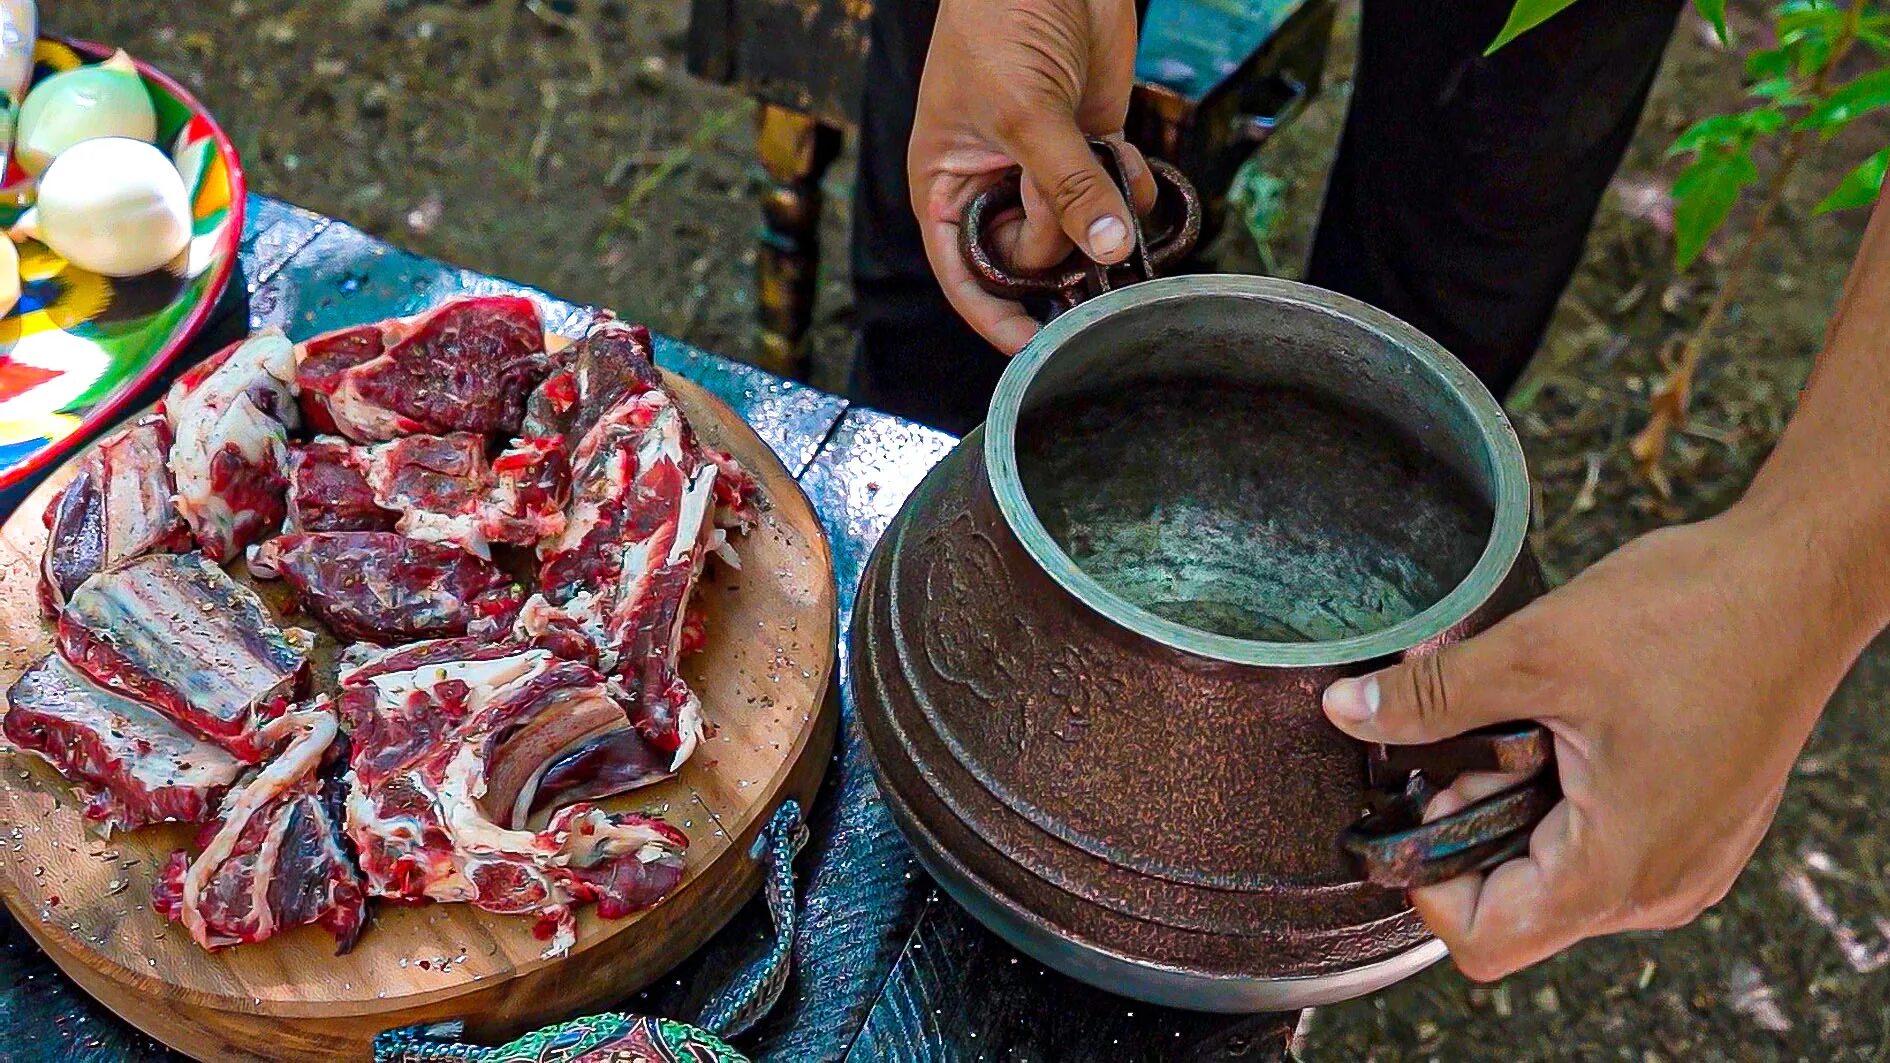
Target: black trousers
<point>1463,190</point>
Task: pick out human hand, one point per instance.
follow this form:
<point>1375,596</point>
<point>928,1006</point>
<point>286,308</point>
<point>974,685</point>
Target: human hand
<point>1680,676</point>
<point>1022,83</point>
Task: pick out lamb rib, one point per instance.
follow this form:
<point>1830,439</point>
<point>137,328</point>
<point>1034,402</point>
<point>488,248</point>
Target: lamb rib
<point>623,570</point>
<point>466,365</point>
<point>177,632</point>
<point>116,508</point>
<point>449,740</point>
<point>131,763</point>
<point>230,418</point>
<point>276,859</point>
<point>386,588</point>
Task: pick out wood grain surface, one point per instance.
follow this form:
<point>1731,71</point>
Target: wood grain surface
<point>763,679</point>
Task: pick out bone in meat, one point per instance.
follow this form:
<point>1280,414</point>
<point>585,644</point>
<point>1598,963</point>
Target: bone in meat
<point>229,420</point>
<point>116,508</point>
<point>276,859</point>
<point>177,632</point>
<point>440,741</point>
<point>132,765</point>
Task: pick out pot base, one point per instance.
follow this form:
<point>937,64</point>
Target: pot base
<point>1171,987</point>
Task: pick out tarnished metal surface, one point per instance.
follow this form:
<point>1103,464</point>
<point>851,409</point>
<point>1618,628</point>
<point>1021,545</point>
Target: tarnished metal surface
<point>1159,242</point>
<point>1154,804</point>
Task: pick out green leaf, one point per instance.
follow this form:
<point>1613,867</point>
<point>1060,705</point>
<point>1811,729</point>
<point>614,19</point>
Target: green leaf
<point>1714,11</point>
<point>1875,40</point>
<point>1525,16</point>
<point>1859,187</point>
<point>1704,194</point>
<point>1867,93</point>
<point>1768,63</point>
<point>1780,90</point>
<point>1728,130</point>
<point>1798,21</point>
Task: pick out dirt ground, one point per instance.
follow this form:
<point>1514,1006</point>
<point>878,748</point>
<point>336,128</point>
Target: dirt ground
<point>574,153</point>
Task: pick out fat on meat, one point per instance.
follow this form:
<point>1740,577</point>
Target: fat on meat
<point>117,507</point>
<point>132,765</point>
<point>638,533</point>
<point>466,365</point>
<point>276,858</point>
<point>386,588</point>
<point>446,491</point>
<point>451,740</point>
<point>175,631</point>
<point>230,418</point>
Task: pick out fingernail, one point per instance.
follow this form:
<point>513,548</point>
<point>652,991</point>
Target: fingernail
<point>1107,235</point>
<point>1353,700</point>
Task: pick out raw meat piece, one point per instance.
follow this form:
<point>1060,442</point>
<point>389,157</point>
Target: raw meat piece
<point>132,764</point>
<point>118,507</point>
<point>277,858</point>
<point>466,365</point>
<point>230,418</point>
<point>450,739</point>
<point>320,362</point>
<point>435,483</point>
<point>386,588</point>
<point>328,491</point>
<point>531,482</point>
<point>597,375</point>
<point>177,632</point>
<point>445,491</point>
<point>638,534</point>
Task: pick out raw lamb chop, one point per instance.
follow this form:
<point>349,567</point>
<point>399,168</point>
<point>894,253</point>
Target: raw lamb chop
<point>445,490</point>
<point>132,764</point>
<point>629,557</point>
<point>177,632</point>
<point>230,419</point>
<point>466,365</point>
<point>328,491</point>
<point>118,507</point>
<point>450,739</point>
<point>276,859</point>
<point>386,588</point>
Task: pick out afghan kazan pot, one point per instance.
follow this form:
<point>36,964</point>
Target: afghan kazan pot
<point>1088,654</point>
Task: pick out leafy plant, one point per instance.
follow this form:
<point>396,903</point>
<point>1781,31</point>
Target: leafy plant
<point>1799,101</point>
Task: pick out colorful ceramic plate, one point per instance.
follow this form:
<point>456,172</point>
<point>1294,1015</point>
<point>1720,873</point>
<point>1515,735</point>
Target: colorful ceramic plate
<point>79,346</point>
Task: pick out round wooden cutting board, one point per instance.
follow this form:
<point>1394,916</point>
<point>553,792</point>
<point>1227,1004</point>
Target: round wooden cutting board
<point>763,679</point>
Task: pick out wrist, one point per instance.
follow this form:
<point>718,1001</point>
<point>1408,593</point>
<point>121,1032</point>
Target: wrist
<point>1822,554</point>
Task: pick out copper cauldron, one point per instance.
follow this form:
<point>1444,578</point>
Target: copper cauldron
<point>1089,652</point>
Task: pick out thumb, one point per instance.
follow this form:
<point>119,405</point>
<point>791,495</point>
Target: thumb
<point>1057,160</point>
<point>1431,697</point>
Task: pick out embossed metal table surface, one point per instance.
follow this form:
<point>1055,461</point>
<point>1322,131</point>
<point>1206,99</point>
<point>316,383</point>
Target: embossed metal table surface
<point>885,967</point>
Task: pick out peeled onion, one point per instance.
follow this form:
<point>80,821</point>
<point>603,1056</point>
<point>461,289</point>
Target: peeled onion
<point>112,205</point>
<point>103,100</point>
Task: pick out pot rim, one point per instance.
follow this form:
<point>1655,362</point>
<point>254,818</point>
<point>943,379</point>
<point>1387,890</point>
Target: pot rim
<point>1510,476</point>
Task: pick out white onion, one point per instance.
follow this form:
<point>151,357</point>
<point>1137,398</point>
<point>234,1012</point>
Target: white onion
<point>113,206</point>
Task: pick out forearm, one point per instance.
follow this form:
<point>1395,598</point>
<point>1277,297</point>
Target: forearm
<point>1823,497</point>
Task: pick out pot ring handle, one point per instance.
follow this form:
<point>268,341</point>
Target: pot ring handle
<point>1176,222</point>
<point>1397,849</point>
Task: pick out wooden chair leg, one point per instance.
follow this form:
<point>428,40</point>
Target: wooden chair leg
<point>795,150</point>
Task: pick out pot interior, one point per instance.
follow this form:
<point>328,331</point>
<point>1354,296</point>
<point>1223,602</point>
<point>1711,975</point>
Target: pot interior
<point>1258,511</point>
<point>1272,467</point>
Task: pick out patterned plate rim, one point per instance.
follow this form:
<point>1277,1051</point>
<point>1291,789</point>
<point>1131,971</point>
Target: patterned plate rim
<point>108,409</point>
